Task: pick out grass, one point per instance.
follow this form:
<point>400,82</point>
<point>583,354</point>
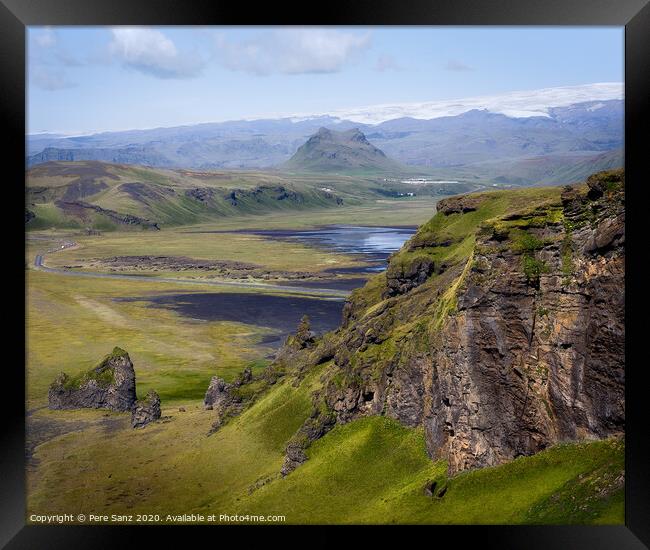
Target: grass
<point>161,196</point>
<point>185,241</point>
<point>169,467</point>
<point>270,253</point>
<point>72,322</point>
<point>450,239</point>
<point>374,470</point>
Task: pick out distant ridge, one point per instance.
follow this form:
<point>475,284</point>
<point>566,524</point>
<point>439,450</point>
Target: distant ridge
<point>329,150</point>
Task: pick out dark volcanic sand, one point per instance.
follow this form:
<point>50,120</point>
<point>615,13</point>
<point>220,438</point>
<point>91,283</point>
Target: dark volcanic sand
<point>281,313</point>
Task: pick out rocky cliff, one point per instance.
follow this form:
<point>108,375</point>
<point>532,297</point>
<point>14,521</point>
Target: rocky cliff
<point>498,328</point>
<point>109,385</point>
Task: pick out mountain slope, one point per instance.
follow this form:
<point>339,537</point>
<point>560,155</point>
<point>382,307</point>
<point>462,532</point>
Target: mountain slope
<point>479,135</point>
<point>329,150</point>
<point>550,169</point>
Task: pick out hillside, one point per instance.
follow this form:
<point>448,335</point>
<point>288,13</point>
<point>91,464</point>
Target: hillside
<point>112,196</point>
<point>330,151</point>
<point>476,327</point>
<point>106,196</point>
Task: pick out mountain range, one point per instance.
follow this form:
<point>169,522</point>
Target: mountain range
<point>468,144</point>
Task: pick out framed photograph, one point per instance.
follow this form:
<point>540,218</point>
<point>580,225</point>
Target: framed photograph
<point>362,268</point>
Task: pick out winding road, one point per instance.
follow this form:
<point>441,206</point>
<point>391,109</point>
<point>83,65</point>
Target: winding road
<point>323,293</point>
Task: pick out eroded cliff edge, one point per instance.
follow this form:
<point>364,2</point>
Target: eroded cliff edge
<point>498,327</point>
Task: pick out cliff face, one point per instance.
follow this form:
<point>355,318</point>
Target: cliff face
<point>532,360</point>
<point>499,328</point>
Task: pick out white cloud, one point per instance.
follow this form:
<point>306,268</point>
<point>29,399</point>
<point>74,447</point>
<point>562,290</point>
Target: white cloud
<point>456,65</point>
<point>292,51</point>
<point>48,60</point>
<point>522,104</point>
<point>47,49</point>
<point>151,52</point>
<point>50,79</point>
<point>45,38</point>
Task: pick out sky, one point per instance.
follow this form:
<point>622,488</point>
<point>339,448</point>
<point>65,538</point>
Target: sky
<point>84,80</point>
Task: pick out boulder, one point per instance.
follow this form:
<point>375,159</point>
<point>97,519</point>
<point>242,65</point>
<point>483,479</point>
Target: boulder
<point>215,393</point>
<point>459,205</point>
<point>146,410</point>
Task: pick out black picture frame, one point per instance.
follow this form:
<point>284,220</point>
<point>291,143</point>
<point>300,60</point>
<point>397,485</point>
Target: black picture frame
<point>15,15</point>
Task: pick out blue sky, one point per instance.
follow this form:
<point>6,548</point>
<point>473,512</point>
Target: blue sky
<point>91,79</point>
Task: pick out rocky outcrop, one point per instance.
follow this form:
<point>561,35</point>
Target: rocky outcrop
<point>459,205</point>
<point>215,393</point>
<point>304,336</point>
<point>228,400</point>
<point>402,278</point>
<point>319,423</point>
<point>110,385</point>
<point>301,348</point>
<point>262,193</point>
<point>146,410</point>
<point>82,209</point>
<point>516,343</point>
<point>201,194</point>
<point>532,360</point>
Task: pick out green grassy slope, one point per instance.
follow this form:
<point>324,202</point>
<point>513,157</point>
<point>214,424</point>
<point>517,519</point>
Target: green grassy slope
<point>100,195</point>
<point>374,470</point>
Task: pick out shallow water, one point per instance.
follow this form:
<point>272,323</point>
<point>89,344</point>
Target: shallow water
<point>372,244</point>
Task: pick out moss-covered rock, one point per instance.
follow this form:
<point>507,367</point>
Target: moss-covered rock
<point>109,385</point>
